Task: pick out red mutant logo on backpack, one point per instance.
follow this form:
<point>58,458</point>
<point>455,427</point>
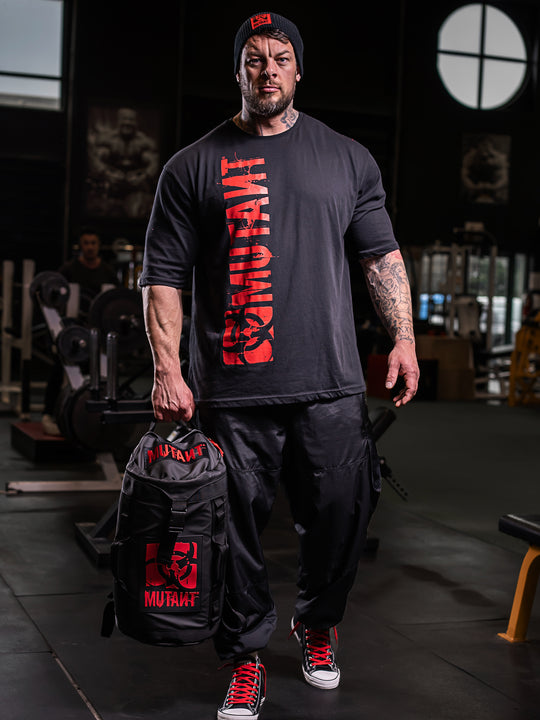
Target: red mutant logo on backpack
<point>261,19</point>
<point>162,451</point>
<point>175,586</point>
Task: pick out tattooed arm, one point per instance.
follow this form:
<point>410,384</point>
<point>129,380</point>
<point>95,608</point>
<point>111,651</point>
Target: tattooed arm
<point>388,285</point>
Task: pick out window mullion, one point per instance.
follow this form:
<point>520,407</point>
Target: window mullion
<point>7,73</point>
<point>486,56</point>
<point>482,56</point>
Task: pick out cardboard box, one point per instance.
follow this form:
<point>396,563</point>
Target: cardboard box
<point>446,367</point>
<point>450,353</point>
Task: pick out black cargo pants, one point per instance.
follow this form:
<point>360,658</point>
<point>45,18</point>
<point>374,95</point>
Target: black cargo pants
<point>324,454</point>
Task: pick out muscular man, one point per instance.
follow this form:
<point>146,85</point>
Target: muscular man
<point>123,167</point>
<point>260,211</point>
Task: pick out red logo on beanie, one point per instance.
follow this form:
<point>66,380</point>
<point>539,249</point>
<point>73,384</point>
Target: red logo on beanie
<point>258,20</point>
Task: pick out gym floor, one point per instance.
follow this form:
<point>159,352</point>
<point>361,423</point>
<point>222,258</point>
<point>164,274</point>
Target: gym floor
<point>420,637</point>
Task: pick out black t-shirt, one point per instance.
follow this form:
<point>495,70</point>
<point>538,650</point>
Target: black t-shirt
<point>263,221</point>
<point>90,279</point>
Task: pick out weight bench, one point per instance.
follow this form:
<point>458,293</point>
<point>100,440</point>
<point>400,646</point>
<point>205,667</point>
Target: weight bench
<point>525,527</point>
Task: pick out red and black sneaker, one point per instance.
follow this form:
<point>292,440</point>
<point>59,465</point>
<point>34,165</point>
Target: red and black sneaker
<point>246,692</point>
<point>318,661</point>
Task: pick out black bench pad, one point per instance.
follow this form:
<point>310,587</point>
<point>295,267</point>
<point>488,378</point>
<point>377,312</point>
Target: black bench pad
<point>525,527</point>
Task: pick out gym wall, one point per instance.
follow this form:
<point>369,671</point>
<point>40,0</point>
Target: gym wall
<point>370,71</point>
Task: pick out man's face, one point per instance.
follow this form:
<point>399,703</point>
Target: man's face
<point>267,75</point>
<point>89,245</point>
<point>127,123</point>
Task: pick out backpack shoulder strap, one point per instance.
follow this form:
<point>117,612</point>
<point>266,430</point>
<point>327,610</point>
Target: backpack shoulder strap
<point>108,620</point>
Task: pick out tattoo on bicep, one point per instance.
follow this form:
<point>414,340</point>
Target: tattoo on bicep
<point>389,289</point>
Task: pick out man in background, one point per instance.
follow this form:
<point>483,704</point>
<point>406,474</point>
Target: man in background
<point>91,273</point>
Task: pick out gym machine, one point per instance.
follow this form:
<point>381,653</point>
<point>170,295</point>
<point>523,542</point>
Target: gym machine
<point>16,393</point>
<point>525,364</point>
<point>450,264</point>
<point>115,318</point>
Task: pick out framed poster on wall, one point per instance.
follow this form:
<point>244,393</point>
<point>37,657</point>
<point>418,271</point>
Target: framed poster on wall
<point>485,168</point>
<point>122,160</point>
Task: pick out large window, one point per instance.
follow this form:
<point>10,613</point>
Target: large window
<point>509,283</point>
<point>482,57</point>
<point>31,53</point>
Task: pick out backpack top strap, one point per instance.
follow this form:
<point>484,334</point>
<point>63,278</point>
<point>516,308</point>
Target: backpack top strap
<point>175,527</point>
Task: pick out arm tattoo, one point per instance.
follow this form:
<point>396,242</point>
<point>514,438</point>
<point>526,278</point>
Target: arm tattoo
<point>388,286</point>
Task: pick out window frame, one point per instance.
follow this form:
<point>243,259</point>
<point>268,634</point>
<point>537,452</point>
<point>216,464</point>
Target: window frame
<point>66,11</point>
<point>481,56</point>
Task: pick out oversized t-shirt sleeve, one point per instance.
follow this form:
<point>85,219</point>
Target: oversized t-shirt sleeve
<point>370,231</point>
<point>171,238</point>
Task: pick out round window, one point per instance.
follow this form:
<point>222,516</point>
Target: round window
<point>481,57</point>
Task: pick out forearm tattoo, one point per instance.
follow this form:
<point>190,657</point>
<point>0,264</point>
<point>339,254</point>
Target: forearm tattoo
<point>390,292</point>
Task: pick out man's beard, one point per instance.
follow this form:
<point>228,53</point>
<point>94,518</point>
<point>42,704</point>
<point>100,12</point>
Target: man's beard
<point>265,108</point>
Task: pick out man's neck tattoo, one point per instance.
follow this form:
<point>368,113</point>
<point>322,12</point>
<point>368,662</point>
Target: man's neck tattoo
<point>255,126</point>
<point>289,117</point>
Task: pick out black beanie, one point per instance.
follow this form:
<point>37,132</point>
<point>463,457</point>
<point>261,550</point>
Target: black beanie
<point>260,23</point>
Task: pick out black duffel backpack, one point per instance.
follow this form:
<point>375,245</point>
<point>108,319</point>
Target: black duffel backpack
<point>169,552</point>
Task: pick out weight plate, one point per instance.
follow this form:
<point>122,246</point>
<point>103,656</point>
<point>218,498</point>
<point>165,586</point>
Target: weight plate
<point>84,429</point>
<point>52,288</point>
<point>119,310</point>
<point>73,344</point>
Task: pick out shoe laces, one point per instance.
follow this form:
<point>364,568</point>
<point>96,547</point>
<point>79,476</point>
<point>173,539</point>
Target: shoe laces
<point>245,683</point>
<point>318,645</point>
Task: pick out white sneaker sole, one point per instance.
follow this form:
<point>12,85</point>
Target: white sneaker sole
<point>222,715</point>
<point>321,684</point>
<point>313,681</point>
